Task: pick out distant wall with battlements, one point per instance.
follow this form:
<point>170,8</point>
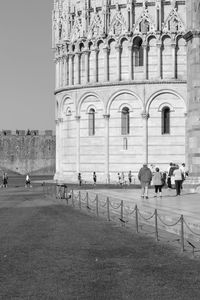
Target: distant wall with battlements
<point>27,151</point>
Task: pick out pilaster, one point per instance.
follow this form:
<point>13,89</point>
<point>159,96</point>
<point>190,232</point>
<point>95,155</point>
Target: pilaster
<point>145,117</point>
<point>107,171</point>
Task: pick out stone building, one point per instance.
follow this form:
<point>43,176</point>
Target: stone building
<point>121,86</point>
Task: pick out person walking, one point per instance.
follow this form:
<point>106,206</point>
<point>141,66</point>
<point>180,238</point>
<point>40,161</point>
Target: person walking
<point>27,181</point>
<point>145,177</point>
<point>129,177</point>
<point>79,179</point>
<point>94,178</point>
<point>178,176</point>
<point>5,180</point>
<point>157,182</point>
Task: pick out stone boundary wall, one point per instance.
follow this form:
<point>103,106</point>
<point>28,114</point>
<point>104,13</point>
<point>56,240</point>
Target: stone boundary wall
<point>27,151</point>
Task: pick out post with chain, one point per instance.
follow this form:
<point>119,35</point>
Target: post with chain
<point>97,206</point>
<point>156,225</point>
<point>87,200</point>
<point>72,198</point>
<point>136,218</point>
<point>79,199</point>
<point>182,234</point>
<point>122,211</point>
<point>108,208</point>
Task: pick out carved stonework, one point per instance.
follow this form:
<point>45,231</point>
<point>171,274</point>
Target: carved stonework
<point>118,25</point>
<point>96,28</point>
<point>77,30</point>
<point>173,23</point>
<point>144,23</point>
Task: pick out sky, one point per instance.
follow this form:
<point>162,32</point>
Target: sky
<point>26,65</point>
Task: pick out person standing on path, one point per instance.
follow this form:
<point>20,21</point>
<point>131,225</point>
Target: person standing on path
<point>94,178</point>
<point>178,176</point>
<point>157,182</point>
<point>129,177</point>
<point>79,179</point>
<point>145,177</point>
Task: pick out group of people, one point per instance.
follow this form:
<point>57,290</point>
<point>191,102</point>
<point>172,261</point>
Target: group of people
<point>5,180</point>
<point>174,173</point>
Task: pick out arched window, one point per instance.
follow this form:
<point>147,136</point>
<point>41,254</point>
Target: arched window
<point>91,121</point>
<point>125,126</point>
<point>138,52</point>
<point>165,120</point>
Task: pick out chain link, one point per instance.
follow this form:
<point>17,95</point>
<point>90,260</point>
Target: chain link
<point>169,225</point>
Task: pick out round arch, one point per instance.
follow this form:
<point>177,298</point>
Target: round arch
<point>116,94</point>
<point>166,91</point>
<point>87,94</point>
<point>62,103</point>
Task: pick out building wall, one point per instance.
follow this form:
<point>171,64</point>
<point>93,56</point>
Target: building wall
<point>112,55</point>
<point>22,153</point>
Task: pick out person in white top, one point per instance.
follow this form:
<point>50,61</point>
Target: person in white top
<point>178,176</point>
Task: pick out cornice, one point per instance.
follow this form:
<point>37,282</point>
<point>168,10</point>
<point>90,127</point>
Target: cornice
<point>118,83</point>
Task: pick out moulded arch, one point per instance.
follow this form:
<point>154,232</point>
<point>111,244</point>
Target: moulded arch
<point>151,36</point>
<point>64,102</point>
<point>110,40</point>
<point>165,35</point>
<point>91,106</point>
<point>125,105</point>
<point>137,37</point>
<point>88,94</point>
<point>166,91</point>
<point>100,41</point>
<point>116,94</point>
<point>166,104</point>
<point>122,39</point>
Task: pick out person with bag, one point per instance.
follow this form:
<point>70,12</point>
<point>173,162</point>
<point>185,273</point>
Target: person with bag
<point>145,177</point>
<point>178,176</point>
<point>158,182</point>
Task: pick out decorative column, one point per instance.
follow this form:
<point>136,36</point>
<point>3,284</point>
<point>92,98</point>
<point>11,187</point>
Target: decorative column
<point>145,117</point>
<point>130,60</point>
<point>60,71</point>
<point>64,70</point>
<point>145,48</point>
<point>60,145</point>
<point>77,68</point>
<point>118,52</point>
<point>70,68</point>
<point>87,53</point>
<point>159,60</point>
<point>95,67</point>
<point>107,174</point>
<point>106,64</point>
<point>57,148</point>
<point>57,73</point>
<point>174,71</point>
<point>77,143</point>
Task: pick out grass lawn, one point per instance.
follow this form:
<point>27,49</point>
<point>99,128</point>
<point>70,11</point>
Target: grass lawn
<point>51,251</point>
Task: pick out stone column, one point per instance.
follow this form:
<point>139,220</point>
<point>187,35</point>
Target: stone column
<point>145,117</point>
<point>77,144</point>
<point>174,72</point>
<point>60,71</point>
<point>130,61</point>
<point>57,148</point>
<point>145,47</point>
<point>118,71</point>
<point>77,68</point>
<point>70,69</point>
<point>159,51</point>
<point>87,53</point>
<point>106,64</point>
<point>57,73</point>
<point>64,70</point>
<point>60,146</point>
<point>107,174</point>
<point>95,69</point>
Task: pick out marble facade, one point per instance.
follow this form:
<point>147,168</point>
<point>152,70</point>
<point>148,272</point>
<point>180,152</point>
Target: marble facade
<point>121,86</point>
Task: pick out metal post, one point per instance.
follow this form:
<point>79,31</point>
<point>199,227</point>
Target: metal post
<point>156,225</point>
<point>182,234</point>
<point>108,208</point>
<point>122,210</point>
<point>79,199</point>
<point>72,198</point>
<point>97,206</point>
<point>136,219</point>
<point>87,200</point>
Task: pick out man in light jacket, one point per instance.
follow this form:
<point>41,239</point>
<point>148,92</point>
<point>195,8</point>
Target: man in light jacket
<point>178,177</point>
<point>145,177</point>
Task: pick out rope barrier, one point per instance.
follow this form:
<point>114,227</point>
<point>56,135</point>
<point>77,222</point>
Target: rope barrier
<point>146,219</point>
<point>104,205</point>
<point>114,207</point>
<point>195,233</point>
<point>169,225</point>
